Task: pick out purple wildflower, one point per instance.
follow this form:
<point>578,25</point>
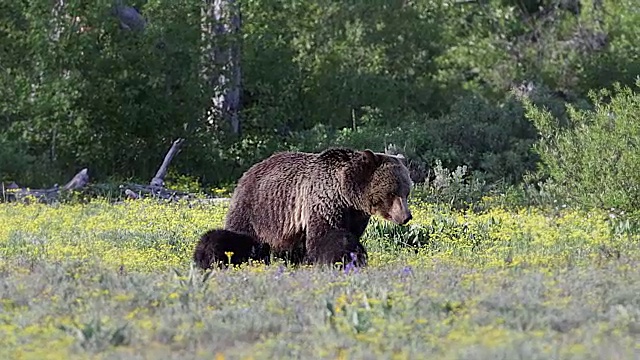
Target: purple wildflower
<point>280,271</point>
<point>351,266</point>
<point>406,271</point>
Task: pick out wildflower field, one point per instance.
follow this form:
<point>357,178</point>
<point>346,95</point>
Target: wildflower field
<point>109,281</point>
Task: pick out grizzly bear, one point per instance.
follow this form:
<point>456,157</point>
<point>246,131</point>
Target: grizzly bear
<point>294,200</point>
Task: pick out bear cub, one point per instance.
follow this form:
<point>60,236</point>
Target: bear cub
<point>214,244</point>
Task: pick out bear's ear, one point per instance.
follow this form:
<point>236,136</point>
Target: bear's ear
<point>371,158</point>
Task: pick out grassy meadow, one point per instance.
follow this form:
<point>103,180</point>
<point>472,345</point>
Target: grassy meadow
<point>115,282</point>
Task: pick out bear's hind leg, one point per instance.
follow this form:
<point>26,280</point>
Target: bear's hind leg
<point>337,245</point>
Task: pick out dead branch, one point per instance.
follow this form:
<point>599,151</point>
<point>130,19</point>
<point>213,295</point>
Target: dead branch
<point>136,191</point>
<point>155,189</point>
<point>79,181</point>
<point>14,193</point>
<point>158,180</point>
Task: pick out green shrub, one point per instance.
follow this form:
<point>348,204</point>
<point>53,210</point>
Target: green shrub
<point>16,164</point>
<point>592,161</point>
<point>492,139</point>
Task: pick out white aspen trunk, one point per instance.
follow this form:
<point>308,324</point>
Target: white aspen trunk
<point>221,60</point>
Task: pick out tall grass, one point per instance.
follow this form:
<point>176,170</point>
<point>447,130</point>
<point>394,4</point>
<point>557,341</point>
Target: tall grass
<point>116,281</point>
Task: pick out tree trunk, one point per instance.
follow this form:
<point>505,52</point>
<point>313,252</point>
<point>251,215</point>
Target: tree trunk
<point>221,60</point>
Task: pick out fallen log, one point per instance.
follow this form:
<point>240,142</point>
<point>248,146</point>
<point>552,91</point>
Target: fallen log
<point>136,191</point>
<point>14,192</point>
<point>156,187</point>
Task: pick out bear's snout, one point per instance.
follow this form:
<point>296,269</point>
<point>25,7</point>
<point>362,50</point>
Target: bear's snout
<point>400,213</point>
<point>402,219</point>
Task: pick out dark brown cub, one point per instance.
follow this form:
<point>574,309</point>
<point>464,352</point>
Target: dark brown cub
<point>213,246</point>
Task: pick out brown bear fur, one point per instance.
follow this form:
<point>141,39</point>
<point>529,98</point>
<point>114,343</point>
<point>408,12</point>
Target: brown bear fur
<point>340,246</point>
<point>295,199</point>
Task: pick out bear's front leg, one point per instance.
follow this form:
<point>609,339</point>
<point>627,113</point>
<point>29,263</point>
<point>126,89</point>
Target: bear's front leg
<point>334,245</point>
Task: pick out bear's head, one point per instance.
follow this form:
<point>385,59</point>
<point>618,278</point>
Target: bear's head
<point>385,184</point>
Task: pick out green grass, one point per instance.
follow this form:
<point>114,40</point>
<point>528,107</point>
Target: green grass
<point>105,281</point>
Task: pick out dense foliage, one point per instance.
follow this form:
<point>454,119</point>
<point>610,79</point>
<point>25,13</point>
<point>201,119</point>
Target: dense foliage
<point>592,160</point>
<point>440,80</point>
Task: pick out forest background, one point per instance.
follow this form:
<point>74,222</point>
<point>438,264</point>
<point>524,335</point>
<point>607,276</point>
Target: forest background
<point>539,97</point>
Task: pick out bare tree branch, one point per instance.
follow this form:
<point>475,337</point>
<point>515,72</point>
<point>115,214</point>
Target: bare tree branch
<point>15,193</point>
<point>79,181</point>
<point>158,180</point>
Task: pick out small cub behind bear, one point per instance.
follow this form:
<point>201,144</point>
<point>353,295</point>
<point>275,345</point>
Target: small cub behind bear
<point>214,245</point>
